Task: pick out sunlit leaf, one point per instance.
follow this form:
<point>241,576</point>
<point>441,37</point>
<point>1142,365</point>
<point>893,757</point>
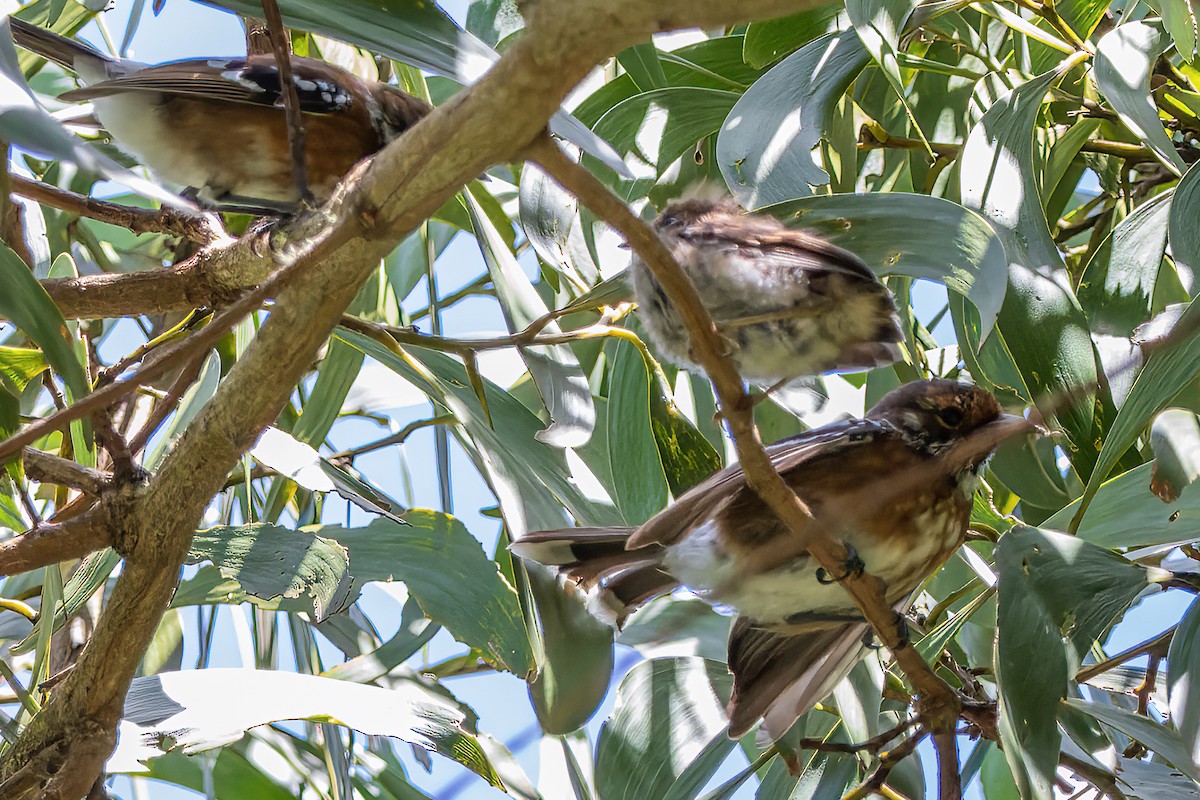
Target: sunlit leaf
<point>1054,590</point>
<point>1125,58</point>
<point>198,710</point>
<point>765,146</point>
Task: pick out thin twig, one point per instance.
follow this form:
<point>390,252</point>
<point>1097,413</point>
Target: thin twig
<point>199,228</point>
<point>872,745</point>
<point>938,703</point>
<point>163,408</point>
<point>1103,781</point>
<point>1163,639</point>
<point>172,355</point>
<point>887,762</point>
<point>874,138</point>
<point>291,99</point>
<point>396,438</point>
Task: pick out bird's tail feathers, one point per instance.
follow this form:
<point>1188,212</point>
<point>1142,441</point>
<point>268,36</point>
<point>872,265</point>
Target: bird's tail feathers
<point>617,581</point>
<point>780,676</point>
<point>52,46</point>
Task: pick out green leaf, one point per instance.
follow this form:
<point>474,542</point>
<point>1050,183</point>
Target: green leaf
<point>1117,287</point>
<point>681,115</point>
<point>233,775</point>
<point>554,369</point>
<point>1179,18</point>
<point>879,24</point>
<point>269,561</point>
<point>296,460</point>
<point>25,303</point>
<point>88,578</point>
<point>765,144</point>
<point>1053,590</point>
<point>194,399</point>
<point>642,64</point>
<point>667,712</point>
<point>638,476</point>
<point>1042,323</point>
<point>1170,365</point>
<point>1162,740</point>
<point>335,376</point>
<point>686,456</point>
<point>198,710</point>
<point>1150,780</point>
<point>494,20</point>
<point>1125,513</point>
<point>473,601</point>
<point>551,221</point>
<point>576,658</point>
<point>953,245</point>
<point>20,365</point>
<point>1183,680</point>
<point>1175,439</point>
<point>769,40</point>
<point>1125,58</point>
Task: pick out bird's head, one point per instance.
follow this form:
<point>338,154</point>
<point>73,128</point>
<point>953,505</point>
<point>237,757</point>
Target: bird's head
<point>936,414</point>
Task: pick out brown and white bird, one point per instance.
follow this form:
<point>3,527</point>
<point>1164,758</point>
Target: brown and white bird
<point>217,125</point>
<point>790,304</point>
<point>896,487</point>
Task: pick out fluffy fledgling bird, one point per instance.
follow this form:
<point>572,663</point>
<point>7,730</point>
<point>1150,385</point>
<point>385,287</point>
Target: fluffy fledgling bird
<point>217,125</point>
<point>790,303</point>
<point>896,487</point>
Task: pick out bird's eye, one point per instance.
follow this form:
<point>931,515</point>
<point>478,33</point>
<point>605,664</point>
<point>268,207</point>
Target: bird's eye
<point>950,416</point>
<point>667,220</point>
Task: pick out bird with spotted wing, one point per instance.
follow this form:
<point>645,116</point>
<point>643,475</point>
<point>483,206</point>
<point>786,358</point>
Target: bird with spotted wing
<point>896,487</point>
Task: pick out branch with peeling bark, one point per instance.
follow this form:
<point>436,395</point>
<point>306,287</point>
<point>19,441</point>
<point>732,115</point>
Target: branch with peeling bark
<point>328,255</point>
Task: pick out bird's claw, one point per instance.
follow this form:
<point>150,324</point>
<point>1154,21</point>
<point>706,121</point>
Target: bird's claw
<point>852,567</point>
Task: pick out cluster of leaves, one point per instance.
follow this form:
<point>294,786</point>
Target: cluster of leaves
<point>1032,158</point>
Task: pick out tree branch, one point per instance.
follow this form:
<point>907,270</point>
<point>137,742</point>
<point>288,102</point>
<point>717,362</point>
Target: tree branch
<point>52,542</point>
<point>200,228</point>
<point>46,468</point>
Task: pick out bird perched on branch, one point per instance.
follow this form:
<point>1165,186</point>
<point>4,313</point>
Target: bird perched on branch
<point>217,125</point>
<point>895,487</point>
<point>790,304</point>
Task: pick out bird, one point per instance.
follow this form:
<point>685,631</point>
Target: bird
<point>789,303</point>
<point>896,487</point>
<point>217,125</point>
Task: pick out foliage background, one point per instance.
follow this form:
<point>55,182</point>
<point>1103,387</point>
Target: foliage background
<point>1078,233</point>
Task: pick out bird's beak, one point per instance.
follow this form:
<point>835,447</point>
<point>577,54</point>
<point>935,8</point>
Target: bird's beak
<point>976,447</point>
<point>624,245</point>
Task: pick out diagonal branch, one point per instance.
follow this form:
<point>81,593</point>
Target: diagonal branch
<point>938,703</point>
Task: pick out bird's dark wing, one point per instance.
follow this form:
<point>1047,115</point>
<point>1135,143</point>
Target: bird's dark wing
<point>780,676</point>
<point>702,501</point>
<point>254,80</point>
<point>782,246</point>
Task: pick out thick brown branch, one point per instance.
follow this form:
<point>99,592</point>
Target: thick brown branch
<point>199,228</point>
<point>46,468</point>
<point>52,542</point>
